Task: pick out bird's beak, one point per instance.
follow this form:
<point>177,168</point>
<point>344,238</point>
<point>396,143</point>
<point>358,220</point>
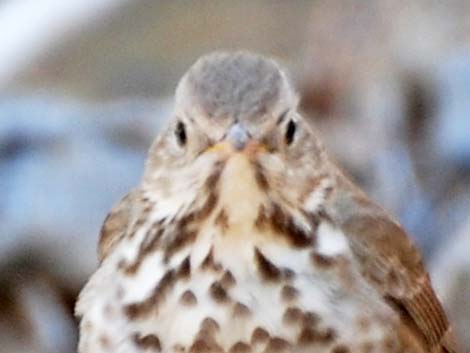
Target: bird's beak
<point>237,136</point>
<point>237,139</point>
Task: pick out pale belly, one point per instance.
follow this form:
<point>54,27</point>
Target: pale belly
<point>243,295</point>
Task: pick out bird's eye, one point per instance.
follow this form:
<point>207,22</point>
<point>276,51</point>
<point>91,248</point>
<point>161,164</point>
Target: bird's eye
<point>180,133</point>
<point>290,132</point>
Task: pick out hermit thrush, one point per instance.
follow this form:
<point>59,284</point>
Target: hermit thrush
<point>244,237</point>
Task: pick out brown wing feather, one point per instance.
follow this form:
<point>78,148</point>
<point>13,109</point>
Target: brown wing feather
<point>391,262</point>
<point>116,224</point>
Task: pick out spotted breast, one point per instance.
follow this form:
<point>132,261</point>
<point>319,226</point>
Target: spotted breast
<point>242,273</point>
<point>244,237</point>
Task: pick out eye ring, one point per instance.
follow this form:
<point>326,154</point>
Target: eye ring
<point>180,133</point>
<point>290,132</point>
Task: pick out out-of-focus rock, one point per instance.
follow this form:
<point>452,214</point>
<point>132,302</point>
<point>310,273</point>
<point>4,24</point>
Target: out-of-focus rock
<point>62,166</point>
<point>34,313</point>
<point>356,47</point>
<point>448,144</point>
<point>451,131</point>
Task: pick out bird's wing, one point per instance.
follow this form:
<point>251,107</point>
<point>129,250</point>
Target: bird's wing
<point>117,223</point>
<point>392,264</point>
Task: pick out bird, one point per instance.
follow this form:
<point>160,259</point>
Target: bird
<point>243,235</point>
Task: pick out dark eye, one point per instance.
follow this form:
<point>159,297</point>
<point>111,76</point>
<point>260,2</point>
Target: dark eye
<point>180,133</point>
<point>290,132</point>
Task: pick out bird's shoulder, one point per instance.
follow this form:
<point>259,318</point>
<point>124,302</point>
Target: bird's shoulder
<point>118,221</point>
<point>391,263</point>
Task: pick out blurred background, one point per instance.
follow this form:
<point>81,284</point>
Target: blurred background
<point>85,86</point>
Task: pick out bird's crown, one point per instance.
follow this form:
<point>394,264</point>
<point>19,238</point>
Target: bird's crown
<point>236,85</point>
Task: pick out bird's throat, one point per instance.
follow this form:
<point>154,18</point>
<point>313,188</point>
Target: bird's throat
<point>240,194</point>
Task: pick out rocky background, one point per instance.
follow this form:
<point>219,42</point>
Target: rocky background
<point>84,88</point>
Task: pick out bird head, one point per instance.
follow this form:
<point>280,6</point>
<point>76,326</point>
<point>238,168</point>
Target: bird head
<point>236,112</point>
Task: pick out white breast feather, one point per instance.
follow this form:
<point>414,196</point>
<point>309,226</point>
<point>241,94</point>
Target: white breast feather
<point>320,290</point>
<point>331,241</point>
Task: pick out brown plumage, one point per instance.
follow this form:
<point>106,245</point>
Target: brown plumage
<point>244,237</point>
<point>390,261</point>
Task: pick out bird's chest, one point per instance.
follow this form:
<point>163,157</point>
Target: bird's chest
<point>256,293</point>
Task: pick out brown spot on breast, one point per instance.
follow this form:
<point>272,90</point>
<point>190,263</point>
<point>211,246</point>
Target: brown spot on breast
<point>143,309</point>
<point>309,318</point>
<point>292,315</point>
<point>228,280</point>
<point>259,335</point>
<point>340,348</point>
<point>240,347</point>
<point>209,325</point>
<point>307,336</point>
<point>310,335</point>
<point>184,269</point>
<point>151,238</point>
<point>182,238</point>
<point>150,342</point>
<point>208,260</point>
<point>184,233</point>
<point>277,344</point>
<point>134,311</point>
<point>205,341</point>
<point>284,224</point>
<point>209,263</point>
<point>208,207</point>
<point>241,310</point>
<point>326,335</point>
<point>260,177</point>
<point>322,261</point>
<point>289,293</point>
<point>266,268</point>
<point>205,346</point>
<point>218,293</point>
<point>222,220</point>
<point>213,179</point>
<point>188,298</point>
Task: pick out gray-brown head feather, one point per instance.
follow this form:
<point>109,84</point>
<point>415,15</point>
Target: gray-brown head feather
<point>237,85</point>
